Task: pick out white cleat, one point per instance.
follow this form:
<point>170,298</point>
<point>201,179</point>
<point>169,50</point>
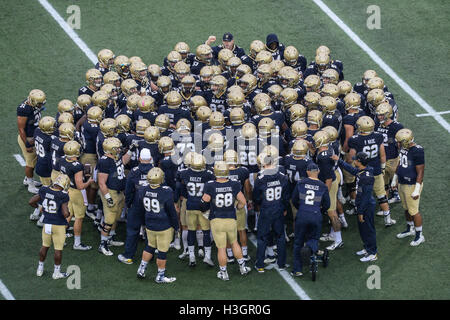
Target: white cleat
<point>201,252</point>
<point>125,260</point>
<point>82,247</point>
<point>380,213</point>
<point>326,237</point>
<point>183,255</point>
<point>165,279</point>
<point>59,275</point>
<point>362,252</point>
<point>407,233</point>
<point>417,241</point>
<point>35,215</point>
<point>369,257</point>
<point>244,269</point>
<point>343,222</point>
<point>140,273</point>
<point>209,262</point>
<point>350,212</point>
<point>335,246</point>
<point>177,244</point>
<point>388,221</point>
<point>39,272</point>
<point>33,189</point>
<point>115,243</point>
<point>103,248</point>
<point>223,275</point>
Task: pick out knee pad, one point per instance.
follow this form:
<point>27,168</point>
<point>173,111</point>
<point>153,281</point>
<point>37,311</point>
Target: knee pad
<point>162,255</point>
<point>106,227</point>
<point>382,199</point>
<point>149,249</point>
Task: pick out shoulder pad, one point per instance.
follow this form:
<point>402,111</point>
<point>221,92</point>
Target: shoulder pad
<point>418,146</point>
<point>135,169</point>
<point>104,157</point>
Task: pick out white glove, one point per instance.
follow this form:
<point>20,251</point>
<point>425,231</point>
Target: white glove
<point>416,191</point>
<point>394,180</point>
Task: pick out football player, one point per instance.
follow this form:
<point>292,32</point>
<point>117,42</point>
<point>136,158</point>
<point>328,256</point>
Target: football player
<point>122,67</point>
<point>263,107</point>
<point>216,97</point>
<point>372,143</point>
<point>264,73</point>
<point>146,109</point>
<point>160,221</point>
<point>66,133</point>
<point>132,155</point>
<point>202,116</point>
<point>227,43</point>
<point>54,201</point>
<point>311,198</point>
<point>28,116</point>
<point>332,116</point>
<point>376,97</point>
<point>154,72</point>
<point>185,141</point>
<point>409,177</point>
<point>172,59</point>
<point>321,63</point>
<point>111,181</point>
<point>239,110</point>
<point>214,150</point>
<point>162,122</point>
<point>291,57</point>
<point>274,47</point>
<point>70,166</point>
<point>130,109</point>
<point>256,46</point>
<point>268,133</point>
<point>174,110</point>
<point>203,57</point>
<point>129,87</point>
<point>150,141</point>
<point>248,84</point>
<point>105,61</point>
<point>136,179</point>
<point>139,73</point>
<point>94,80</point>
<point>108,129</point>
<point>219,198</point>
<point>271,199</point>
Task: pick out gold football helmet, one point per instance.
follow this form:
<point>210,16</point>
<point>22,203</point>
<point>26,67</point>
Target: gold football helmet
<point>203,113</point>
<point>172,59</point>
<point>129,86</point>
<point>300,149</point>
<point>141,126</point>
<point>263,57</point>
<point>328,104</point>
<point>173,99</point>
<point>384,112</point>
<point>65,105</point>
<point>123,123</point>
<point>183,125</point>
<point>106,58</point>
<point>262,102</point>
<point>221,169</point>
<point>247,83</point>
<point>188,84</point>
<point>231,157</point>
<point>375,83</point>
<point>151,134</point>
<point>166,145</point>
<point>206,74</point>
<point>315,117</point>
<point>345,87</point>
<point>112,77</point>
<point>321,139</point>
<point>216,120</point>
<point>197,102</point>
<point>276,66</point>
<point>232,64</point>
<point>299,129</point>
<point>375,97</point>
<point>198,162</point>
<point>288,97</point>
<point>237,116</point>
<point>312,100</point>
<point>274,91</point>
<point>256,47</point>
<point>94,78</point>
<point>223,57</point>
<point>264,73</point>
<point>66,131</point>
<point>312,83</point>
<point>95,115</point>
<point>249,131</point>
<point>322,61</point>
<point>100,98</point>
<point>164,84</point>
<point>330,76</point>
<point>291,55</point>
<point>271,151</point>
<point>108,127</point>
<point>65,117</point>
<point>162,122</point>
<point>181,69</point>
<point>139,72</point>
<point>235,99</point>
<point>62,181</point>
<point>352,101</point>
<point>216,141</point>
<point>330,89</point>
<point>122,66</point>
<point>218,85</point>
<point>155,177</point>
<point>132,101</point>
<point>265,127</point>
<point>47,125</point>
<point>365,125</point>
<point>242,70</point>
<point>187,160</point>
<point>83,101</point>
<point>154,71</point>
<point>135,59</point>
<point>72,149</point>
<point>323,49</point>
<point>183,49</point>
<point>367,75</point>
<point>111,90</point>
<point>404,137</point>
<point>204,53</point>
<point>297,112</point>
<point>332,133</point>
<point>146,104</point>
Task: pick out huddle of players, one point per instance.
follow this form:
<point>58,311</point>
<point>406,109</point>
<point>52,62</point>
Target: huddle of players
<point>204,108</point>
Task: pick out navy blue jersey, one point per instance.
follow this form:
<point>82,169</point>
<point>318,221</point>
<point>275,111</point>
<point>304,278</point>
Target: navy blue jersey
<point>89,133</point>
<point>250,62</point>
<point>133,139</point>
<point>248,151</point>
<point>193,185</point>
<point>409,159</point>
<point>101,69</point>
<point>159,207</point>
<point>247,112</point>
<point>350,120</point>
<point>158,96</point>
<point>223,196</point>
<point>237,51</point>
<point>52,201</point>
<point>175,114</point>
<point>370,145</point>
<point>85,90</point>
<point>300,65</point>
<point>215,103</point>
<point>313,69</point>
<point>277,141</point>
<point>122,101</point>
<point>123,137</point>
<point>150,116</point>
<point>296,169</point>
<point>326,165</point>
<point>169,166</point>
<point>57,149</point>
<point>333,119</point>
<point>130,114</point>
<point>310,196</point>
<point>42,143</point>
<point>389,132</point>
<point>264,87</point>
<point>186,142</point>
<point>154,150</point>
<point>196,66</point>
<point>33,116</point>
<point>136,178</point>
<point>115,170</point>
<point>240,174</point>
<point>276,116</point>
<point>99,144</point>
<point>70,168</point>
<point>212,156</point>
<point>78,113</point>
<point>271,191</point>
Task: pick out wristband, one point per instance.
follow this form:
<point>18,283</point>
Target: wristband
<point>417,188</point>
<point>394,180</point>
<point>383,165</point>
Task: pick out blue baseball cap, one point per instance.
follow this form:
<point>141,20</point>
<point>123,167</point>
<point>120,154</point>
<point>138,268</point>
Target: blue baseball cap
<point>312,167</point>
<point>227,37</point>
<point>361,157</point>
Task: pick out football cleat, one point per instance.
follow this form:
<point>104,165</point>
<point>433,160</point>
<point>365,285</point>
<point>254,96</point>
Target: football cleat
<point>103,248</point>
<point>59,275</point>
<point>201,252</point>
<point>350,212</point>
<point>388,221</point>
<point>369,257</point>
<point>82,247</point>
<point>380,213</point>
<point>244,269</point>
<point>246,258</point>
<point>230,259</point>
<point>140,273</point>
<point>91,214</point>
<point>192,262</point>
<point>69,235</point>
<point>35,215</point>
<point>123,259</point>
<point>313,268</point>
<point>115,243</point>
<point>296,274</point>
<point>183,255</point>
<point>326,237</point>
<point>34,182</point>
<point>33,189</point>
<point>223,275</point>
<point>343,222</point>
<point>362,252</point>
<point>335,246</point>
<point>270,259</point>
<point>283,267</point>
<point>164,279</point>
<point>395,198</point>
<point>39,272</point>
<point>418,240</point>
<point>260,270</point>
<point>209,262</point>
<point>177,244</point>
<point>408,232</point>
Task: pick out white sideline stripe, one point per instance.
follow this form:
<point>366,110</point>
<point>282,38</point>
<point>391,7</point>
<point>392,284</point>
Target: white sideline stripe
<point>5,292</point>
<point>431,114</point>
<point>70,32</point>
<point>422,103</point>
<point>88,52</point>
<point>20,160</point>
<point>287,277</point>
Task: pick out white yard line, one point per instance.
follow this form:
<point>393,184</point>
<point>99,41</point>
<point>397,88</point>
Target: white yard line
<point>421,102</point>
<point>431,114</point>
<point>20,160</point>
<point>5,292</point>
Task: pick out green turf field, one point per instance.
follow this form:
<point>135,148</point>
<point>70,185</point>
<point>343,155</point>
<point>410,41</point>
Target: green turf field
<point>413,41</point>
